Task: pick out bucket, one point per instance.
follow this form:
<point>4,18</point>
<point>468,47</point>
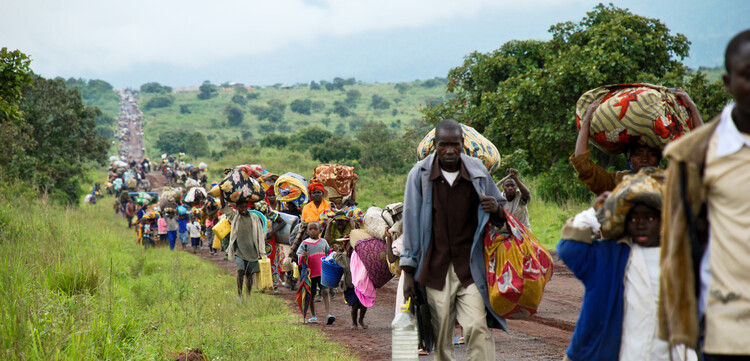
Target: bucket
<point>330,274</point>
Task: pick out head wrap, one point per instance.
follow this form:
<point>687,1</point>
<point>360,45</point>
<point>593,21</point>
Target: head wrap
<point>270,191</point>
<point>316,186</point>
<point>645,187</point>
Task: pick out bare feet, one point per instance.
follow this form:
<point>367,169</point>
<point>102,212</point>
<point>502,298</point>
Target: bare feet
<point>355,327</point>
<point>363,324</point>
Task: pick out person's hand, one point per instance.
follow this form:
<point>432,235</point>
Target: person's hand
<point>489,204</point>
<point>683,95</point>
<point>304,253</point>
<point>513,173</point>
<point>410,290</point>
<point>588,115</point>
<point>269,236</point>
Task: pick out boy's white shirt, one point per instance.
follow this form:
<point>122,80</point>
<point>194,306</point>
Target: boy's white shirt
<point>639,341</point>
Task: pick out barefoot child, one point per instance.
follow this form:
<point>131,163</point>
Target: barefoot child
<point>312,250</point>
<point>342,259</point>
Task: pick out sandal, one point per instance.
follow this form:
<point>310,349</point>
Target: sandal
<point>461,340</point>
<point>330,319</point>
<point>312,320</point>
<point>422,352</point>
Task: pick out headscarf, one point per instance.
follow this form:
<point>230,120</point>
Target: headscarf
<point>270,191</point>
<point>313,186</point>
<point>646,187</point>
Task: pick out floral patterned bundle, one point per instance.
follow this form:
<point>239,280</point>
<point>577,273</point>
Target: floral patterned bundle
<point>631,114</point>
<point>239,186</point>
<point>339,180</point>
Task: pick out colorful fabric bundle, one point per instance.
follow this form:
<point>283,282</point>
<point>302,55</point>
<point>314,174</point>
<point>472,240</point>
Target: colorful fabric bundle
<point>253,170</point>
<point>304,292</point>
<point>647,186</point>
<point>239,186</point>
<point>630,114</point>
<point>292,187</point>
<point>339,180</point>
<point>372,253</point>
<point>267,181</point>
<point>518,268</point>
<point>475,145</point>
<point>347,213</point>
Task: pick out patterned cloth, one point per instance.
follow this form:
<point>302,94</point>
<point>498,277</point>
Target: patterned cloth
<point>372,253</point>
<point>292,187</point>
<point>339,180</point>
<point>647,186</point>
<point>239,186</point>
<point>631,114</point>
<point>304,292</point>
<point>475,145</point>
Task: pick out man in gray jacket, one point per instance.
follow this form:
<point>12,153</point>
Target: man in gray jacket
<point>448,200</point>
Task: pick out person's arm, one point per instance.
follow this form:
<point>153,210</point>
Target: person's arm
<point>582,143</point>
<point>327,233</point>
<point>412,250</point>
<point>273,231</point>
<point>389,246</point>
<point>525,194</point>
<point>694,114</point>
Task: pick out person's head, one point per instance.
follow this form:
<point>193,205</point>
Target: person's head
<point>242,208</point>
<point>313,230</point>
<point>737,63</point>
<point>337,202</point>
<point>341,222</point>
<point>643,225</point>
<point>449,143</point>
<point>641,156</point>
<point>271,194</point>
<point>509,188</point>
<point>316,195</point>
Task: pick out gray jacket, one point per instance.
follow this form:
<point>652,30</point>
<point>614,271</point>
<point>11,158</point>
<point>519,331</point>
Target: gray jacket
<point>417,217</point>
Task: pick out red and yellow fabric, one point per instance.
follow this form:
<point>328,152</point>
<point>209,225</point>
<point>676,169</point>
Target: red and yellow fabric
<point>629,114</point>
<point>292,187</point>
<point>518,268</point>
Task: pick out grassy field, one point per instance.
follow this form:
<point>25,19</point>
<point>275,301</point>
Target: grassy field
<point>77,287</point>
<point>208,117</point>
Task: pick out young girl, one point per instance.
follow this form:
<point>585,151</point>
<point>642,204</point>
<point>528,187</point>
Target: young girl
<point>620,273</point>
<point>194,230</point>
<point>312,250</point>
<point>342,259</point>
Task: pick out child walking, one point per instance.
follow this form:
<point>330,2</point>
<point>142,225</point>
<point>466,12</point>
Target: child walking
<point>342,258</point>
<point>182,221</point>
<point>172,227</point>
<point>312,250</point>
<point>161,224</point>
<point>194,230</point>
<point>620,274</point>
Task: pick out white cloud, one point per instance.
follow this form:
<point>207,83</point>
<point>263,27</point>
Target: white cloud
<point>65,37</point>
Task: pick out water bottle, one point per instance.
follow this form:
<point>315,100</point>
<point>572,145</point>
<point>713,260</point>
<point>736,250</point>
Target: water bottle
<point>404,337</point>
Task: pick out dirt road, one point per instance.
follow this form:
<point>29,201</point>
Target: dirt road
<point>544,336</point>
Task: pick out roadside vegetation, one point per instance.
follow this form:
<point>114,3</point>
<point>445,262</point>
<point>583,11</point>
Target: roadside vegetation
<point>77,287</point>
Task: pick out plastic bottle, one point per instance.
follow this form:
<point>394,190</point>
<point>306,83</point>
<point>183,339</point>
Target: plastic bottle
<point>404,337</point>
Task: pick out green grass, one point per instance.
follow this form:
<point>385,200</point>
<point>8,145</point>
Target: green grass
<point>76,287</point>
<point>208,117</point>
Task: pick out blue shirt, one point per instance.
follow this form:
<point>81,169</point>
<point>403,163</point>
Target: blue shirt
<point>182,223</point>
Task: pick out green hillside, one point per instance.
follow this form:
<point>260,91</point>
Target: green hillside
<point>399,109</point>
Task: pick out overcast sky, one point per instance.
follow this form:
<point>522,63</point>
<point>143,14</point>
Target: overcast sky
<point>183,43</point>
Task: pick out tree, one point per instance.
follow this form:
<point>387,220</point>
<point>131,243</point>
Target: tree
<point>385,151</point>
<point>155,87</point>
<point>318,106</point>
<point>196,144</point>
<point>207,90</point>
<point>309,136</point>
<point>402,87</point>
<point>379,102</point>
<point>64,139</point>
<point>184,109</point>
<point>235,116</point>
<point>301,106</point>
<point>172,141</point>
<point>275,140</point>
<point>352,97</point>
<point>158,102</point>
<point>523,95</point>
<point>251,96</point>
<point>314,85</point>
<point>341,109</point>
<point>239,99</point>
<point>335,149</point>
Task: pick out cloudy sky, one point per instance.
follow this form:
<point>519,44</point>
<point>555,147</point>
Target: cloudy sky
<point>183,43</point>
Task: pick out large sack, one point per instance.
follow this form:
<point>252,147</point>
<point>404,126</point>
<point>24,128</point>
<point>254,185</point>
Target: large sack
<point>631,114</point>
<point>475,145</point>
<point>239,186</point>
<point>372,252</point>
<point>376,220</point>
<point>292,187</point>
<point>195,196</point>
<point>339,180</point>
<point>518,268</point>
<point>191,183</point>
<point>289,223</point>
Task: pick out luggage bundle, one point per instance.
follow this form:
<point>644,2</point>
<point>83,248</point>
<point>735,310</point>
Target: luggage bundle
<point>240,186</point>
<point>475,145</point>
<point>630,114</point>
<point>338,180</point>
<point>292,187</point>
<point>196,196</point>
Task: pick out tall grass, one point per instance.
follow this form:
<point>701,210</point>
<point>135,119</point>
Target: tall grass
<point>75,286</point>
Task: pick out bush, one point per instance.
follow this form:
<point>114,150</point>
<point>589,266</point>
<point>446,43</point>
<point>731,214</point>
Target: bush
<point>251,96</point>
<point>310,136</point>
<point>341,109</point>
<point>158,102</point>
<point>379,102</point>
<point>561,184</point>
<point>335,149</point>
<point>275,140</point>
<point>239,99</point>
<point>301,106</point>
<point>235,116</point>
<point>155,87</point>
<point>184,109</point>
